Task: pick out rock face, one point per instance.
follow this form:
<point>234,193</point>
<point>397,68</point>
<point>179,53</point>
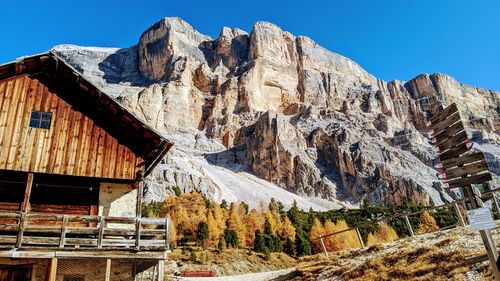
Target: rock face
<point>271,105</point>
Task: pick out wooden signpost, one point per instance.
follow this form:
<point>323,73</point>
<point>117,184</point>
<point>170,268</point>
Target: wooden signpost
<point>461,171</point>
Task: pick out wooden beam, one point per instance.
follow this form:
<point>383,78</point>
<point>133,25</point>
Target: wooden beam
<point>466,170</point>
<point>27,193</point>
<point>361,242</point>
<point>108,269</point>
<point>20,233</point>
<point>323,246</point>
<point>63,231</point>
<point>138,234</point>
<point>445,113</point>
<point>408,224</point>
<point>161,270</point>
<point>470,180</point>
<point>463,160</point>
<point>51,270</point>
<point>75,253</point>
<point>140,190</point>
<point>101,232</point>
<point>438,127</point>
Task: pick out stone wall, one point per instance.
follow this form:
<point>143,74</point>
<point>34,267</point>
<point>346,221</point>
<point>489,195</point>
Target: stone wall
<point>119,200</point>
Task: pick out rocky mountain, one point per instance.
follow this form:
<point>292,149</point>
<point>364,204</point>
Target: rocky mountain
<point>269,114</point>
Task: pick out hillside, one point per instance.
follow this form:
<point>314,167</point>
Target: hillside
<point>434,256</point>
<point>269,114</point>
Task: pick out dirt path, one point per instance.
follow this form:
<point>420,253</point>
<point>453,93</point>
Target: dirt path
<point>258,276</point>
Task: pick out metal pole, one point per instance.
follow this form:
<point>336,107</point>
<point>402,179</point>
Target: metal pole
<point>408,224</point>
<point>323,246</point>
<point>488,242</point>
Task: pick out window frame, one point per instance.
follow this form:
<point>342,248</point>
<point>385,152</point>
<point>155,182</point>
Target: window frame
<point>40,119</point>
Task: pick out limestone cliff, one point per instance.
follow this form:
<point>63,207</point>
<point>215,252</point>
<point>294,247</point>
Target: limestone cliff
<point>251,112</point>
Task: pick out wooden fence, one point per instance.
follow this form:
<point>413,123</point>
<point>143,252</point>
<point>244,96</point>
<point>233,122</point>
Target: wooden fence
<point>458,205</point>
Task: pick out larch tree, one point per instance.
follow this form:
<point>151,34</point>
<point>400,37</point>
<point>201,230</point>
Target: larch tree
<point>316,231</point>
<point>332,242</point>
<point>427,223</point>
<point>288,230</point>
<point>253,221</point>
<point>214,232</point>
<point>234,222</point>
<point>348,239</point>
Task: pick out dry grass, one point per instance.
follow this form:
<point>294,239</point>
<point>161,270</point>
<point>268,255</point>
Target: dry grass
<point>437,261</point>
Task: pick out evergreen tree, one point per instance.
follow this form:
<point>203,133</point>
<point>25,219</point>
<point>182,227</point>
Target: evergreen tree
<point>268,230</point>
<point>303,246</point>
<point>202,233</point>
<point>221,245</point>
<point>223,204</point>
<point>231,238</point>
<point>259,244</point>
<point>290,247</point>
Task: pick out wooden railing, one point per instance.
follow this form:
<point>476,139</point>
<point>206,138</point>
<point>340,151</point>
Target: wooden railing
<point>45,230</point>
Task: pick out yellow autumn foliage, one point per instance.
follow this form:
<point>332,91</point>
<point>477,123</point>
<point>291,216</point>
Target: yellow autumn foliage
<point>427,223</point>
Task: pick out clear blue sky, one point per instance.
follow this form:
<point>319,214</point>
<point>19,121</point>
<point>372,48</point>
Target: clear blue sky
<point>395,39</point>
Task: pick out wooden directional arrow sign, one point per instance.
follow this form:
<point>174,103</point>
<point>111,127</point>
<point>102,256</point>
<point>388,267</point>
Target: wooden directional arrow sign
<point>451,142</point>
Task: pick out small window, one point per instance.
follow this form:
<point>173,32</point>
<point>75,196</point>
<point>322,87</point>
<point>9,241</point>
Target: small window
<point>40,119</point>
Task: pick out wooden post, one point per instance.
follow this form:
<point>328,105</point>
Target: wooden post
<point>167,233</point>
<point>459,215</point>
<point>361,242</point>
<point>323,245</point>
<point>161,270</point>
<point>20,230</point>
<point>51,270</point>
<point>62,239</point>
<point>27,193</point>
<point>101,232</point>
<point>138,233</point>
<point>108,269</point>
<point>496,202</point>
<point>488,242</point>
<point>408,224</point>
<point>140,188</point>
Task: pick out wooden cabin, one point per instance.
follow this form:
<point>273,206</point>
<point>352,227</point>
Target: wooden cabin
<point>72,165</point>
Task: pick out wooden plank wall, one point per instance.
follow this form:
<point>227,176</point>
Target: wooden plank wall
<point>73,145</point>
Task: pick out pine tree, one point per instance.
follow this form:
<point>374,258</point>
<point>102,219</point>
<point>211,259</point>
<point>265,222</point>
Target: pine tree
<point>303,246</point>
<point>268,230</point>
<point>259,244</point>
<point>290,247</point>
<point>231,238</point>
<point>223,204</point>
<point>202,233</point>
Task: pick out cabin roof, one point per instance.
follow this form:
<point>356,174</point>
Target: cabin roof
<point>66,82</point>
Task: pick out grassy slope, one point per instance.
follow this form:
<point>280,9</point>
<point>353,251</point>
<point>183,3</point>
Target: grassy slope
<point>230,261</point>
<point>435,256</point>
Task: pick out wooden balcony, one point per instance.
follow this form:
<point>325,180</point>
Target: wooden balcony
<point>57,232</point>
